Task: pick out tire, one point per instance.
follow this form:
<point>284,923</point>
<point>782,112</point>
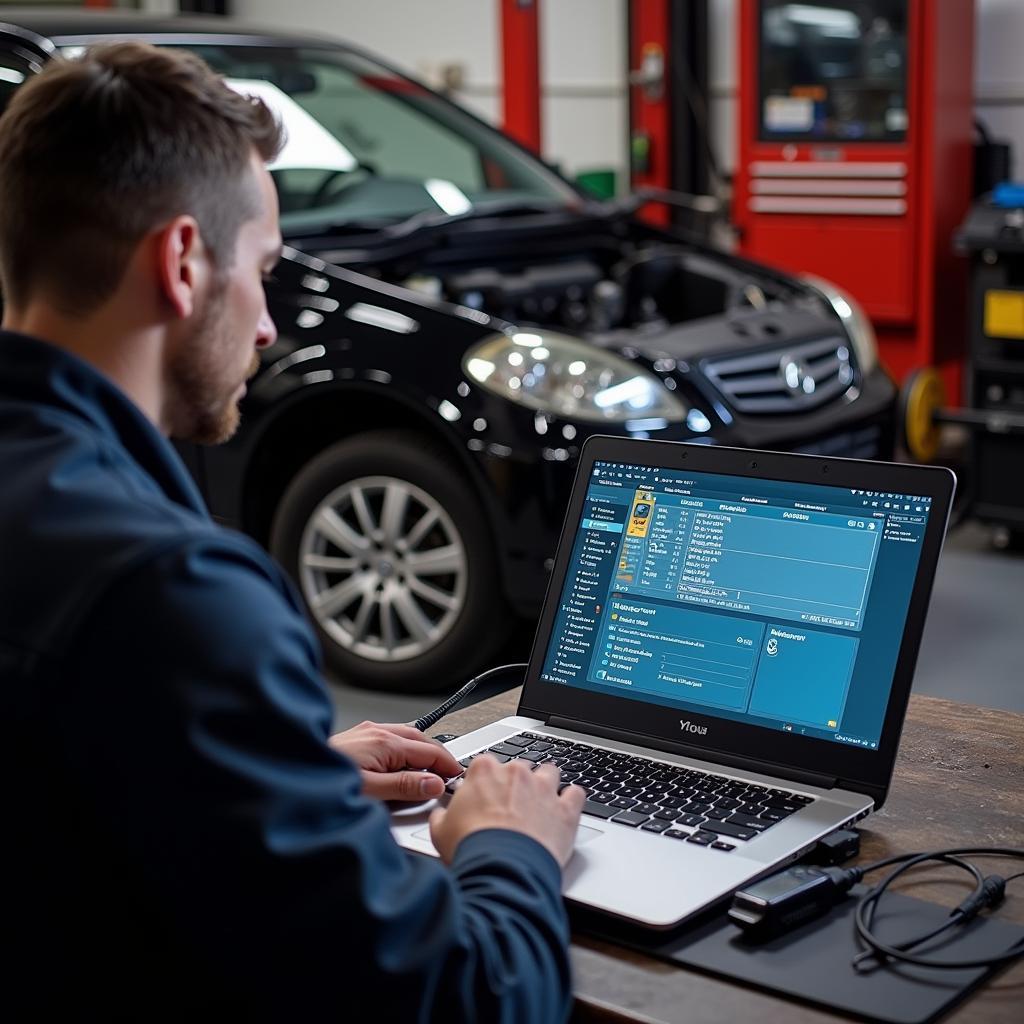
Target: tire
<point>393,558</point>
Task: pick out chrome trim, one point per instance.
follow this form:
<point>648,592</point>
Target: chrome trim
<point>832,187</point>
<point>828,169</point>
<point>785,378</point>
<point>801,204</point>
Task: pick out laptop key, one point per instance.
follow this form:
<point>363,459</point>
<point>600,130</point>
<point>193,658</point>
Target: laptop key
<point>506,748</point>
<point>671,802</point>
<point>646,807</point>
<point>533,755</point>
<point>718,813</point>
<point>734,789</point>
<point>597,810</point>
<point>727,828</point>
<point>757,824</point>
<point>602,798</point>
<point>696,807</point>
<point>786,806</point>
<point>519,741</point>
<point>774,815</point>
<point>700,838</point>
<point>726,803</point>
<point>676,833</point>
<point>705,796</point>
<point>661,787</point>
<point>691,820</point>
<point>654,826</point>
<point>631,791</point>
<point>587,781</point>
<point>541,745</point>
<point>623,804</point>
<point>664,815</point>
<point>720,845</point>
<point>630,818</point>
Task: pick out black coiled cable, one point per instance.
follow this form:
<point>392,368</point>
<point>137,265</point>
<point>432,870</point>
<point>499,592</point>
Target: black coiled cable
<point>988,891</point>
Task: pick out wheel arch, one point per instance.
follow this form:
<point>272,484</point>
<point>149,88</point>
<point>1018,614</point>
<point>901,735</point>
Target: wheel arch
<point>313,422</point>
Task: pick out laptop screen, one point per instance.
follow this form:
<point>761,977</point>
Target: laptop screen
<point>772,603</point>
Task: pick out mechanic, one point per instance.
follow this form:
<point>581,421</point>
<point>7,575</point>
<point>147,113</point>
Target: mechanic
<point>184,836</point>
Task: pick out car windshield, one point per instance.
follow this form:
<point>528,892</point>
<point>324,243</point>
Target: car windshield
<point>368,145</point>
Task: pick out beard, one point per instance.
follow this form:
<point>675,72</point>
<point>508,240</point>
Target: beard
<point>202,403</point>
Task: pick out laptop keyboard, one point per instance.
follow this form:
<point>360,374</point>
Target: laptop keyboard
<point>654,796</point>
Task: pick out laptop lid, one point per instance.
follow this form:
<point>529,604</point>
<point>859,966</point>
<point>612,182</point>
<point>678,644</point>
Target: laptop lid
<point>759,609</point>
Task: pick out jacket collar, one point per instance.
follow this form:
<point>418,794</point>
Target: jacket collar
<point>32,370</point>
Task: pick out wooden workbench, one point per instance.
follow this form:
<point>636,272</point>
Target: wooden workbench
<point>959,780</point>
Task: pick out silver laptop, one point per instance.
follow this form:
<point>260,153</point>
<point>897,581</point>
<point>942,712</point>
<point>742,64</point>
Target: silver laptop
<point>723,661</point>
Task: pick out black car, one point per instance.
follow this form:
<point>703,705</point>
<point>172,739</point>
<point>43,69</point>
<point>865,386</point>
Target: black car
<point>455,319</point>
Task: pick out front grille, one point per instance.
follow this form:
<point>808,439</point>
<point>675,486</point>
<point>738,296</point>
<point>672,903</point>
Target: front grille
<point>784,379</point>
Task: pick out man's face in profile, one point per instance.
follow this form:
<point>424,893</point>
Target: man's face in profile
<point>207,373</point>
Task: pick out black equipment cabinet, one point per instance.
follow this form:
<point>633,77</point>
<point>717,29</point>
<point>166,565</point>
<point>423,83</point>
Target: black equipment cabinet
<point>993,239</point>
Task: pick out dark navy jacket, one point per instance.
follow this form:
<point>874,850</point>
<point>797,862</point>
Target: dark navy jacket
<point>180,839</point>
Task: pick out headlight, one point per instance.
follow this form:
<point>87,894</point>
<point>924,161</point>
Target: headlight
<point>855,320</point>
<point>566,377</point>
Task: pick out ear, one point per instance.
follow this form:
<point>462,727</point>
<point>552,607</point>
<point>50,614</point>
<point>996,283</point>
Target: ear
<point>181,264</point>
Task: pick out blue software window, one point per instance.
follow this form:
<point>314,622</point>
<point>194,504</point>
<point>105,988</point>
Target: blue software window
<point>778,604</point>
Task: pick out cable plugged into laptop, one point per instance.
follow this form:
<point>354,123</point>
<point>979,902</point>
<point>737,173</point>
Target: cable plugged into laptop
<point>433,717</point>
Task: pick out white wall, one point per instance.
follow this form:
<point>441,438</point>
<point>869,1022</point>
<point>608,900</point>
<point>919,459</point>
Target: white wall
<point>584,65</point>
<point>584,113</point>
<point>999,72</point>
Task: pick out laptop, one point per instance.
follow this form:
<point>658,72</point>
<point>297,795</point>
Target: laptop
<point>723,660</point>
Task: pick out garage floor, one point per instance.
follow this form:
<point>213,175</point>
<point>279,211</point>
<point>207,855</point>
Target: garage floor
<point>973,648</point>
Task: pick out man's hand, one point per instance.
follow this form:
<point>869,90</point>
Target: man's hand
<point>494,795</point>
<point>386,753</point>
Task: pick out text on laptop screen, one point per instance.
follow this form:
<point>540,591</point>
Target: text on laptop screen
<point>772,603</point>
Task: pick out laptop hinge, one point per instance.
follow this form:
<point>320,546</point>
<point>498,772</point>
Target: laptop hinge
<point>702,753</point>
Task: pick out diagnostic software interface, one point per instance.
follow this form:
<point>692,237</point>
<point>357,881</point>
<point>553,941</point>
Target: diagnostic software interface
<point>771,603</point>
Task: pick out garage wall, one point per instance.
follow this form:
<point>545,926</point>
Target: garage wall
<point>584,110</point>
<point>583,52</point>
<point>999,72</point>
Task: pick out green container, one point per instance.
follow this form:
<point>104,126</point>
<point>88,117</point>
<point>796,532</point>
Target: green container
<point>599,183</point>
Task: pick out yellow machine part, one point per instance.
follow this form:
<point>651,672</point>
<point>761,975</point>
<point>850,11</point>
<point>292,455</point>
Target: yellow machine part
<point>923,394</point>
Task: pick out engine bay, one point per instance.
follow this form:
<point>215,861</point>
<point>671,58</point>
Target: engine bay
<point>656,287</point>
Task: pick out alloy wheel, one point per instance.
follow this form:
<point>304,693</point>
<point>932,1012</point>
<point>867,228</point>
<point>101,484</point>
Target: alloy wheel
<point>383,568</point>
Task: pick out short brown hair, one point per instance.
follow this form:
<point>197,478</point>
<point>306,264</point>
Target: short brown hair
<point>98,151</point>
